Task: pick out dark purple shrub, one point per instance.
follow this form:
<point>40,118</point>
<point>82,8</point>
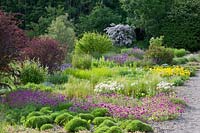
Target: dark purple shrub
<point>47,50</point>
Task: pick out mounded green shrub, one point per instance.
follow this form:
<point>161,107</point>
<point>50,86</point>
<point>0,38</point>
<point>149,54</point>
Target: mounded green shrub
<point>35,113</point>
<point>46,127</point>
<point>63,106</point>
<point>137,125</point>
<point>99,112</point>
<point>73,124</point>
<point>93,44</point>
<point>115,129</point>
<point>86,116</point>
<point>80,129</point>
<point>98,120</point>
<point>83,61</point>
<point>124,123</point>
<point>54,115</point>
<point>46,110</point>
<point>101,129</point>
<point>180,52</point>
<point>37,121</point>
<point>62,119</point>
<point>179,61</point>
<point>108,123</point>
<point>32,72</point>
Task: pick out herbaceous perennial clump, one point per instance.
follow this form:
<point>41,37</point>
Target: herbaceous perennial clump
<point>22,98</point>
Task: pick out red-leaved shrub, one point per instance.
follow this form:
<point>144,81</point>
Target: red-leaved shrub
<point>47,51</point>
<point>12,40</point>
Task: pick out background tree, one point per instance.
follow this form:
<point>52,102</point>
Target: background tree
<point>12,40</point>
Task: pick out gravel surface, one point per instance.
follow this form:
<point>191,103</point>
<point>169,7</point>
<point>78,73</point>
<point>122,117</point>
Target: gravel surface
<point>188,122</point>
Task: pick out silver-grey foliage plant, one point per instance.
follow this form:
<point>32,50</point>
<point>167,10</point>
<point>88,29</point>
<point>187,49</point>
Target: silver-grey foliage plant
<point>121,35</point>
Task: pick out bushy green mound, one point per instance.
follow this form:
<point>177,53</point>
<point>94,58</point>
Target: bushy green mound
<point>63,106</point>
<point>108,123</point>
<point>137,125</point>
<point>46,127</point>
<point>37,121</point>
<point>99,112</point>
<point>80,129</point>
<point>101,129</point>
<point>86,116</point>
<point>35,113</point>
<point>98,120</point>
<point>46,110</point>
<point>54,115</point>
<point>114,129</point>
<point>124,123</point>
<point>73,124</point>
<point>63,118</point>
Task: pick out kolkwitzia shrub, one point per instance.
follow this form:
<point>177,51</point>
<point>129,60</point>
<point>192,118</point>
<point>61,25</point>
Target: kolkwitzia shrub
<point>109,87</point>
<point>121,35</point>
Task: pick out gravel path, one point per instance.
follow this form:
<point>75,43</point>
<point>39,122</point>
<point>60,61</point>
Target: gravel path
<point>188,122</point>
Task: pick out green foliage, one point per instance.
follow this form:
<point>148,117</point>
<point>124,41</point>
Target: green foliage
<point>62,30</point>
<point>101,62</point>
<point>46,110</point>
<point>32,72</point>
<point>46,126</point>
<point>86,116</point>
<point>57,78</point>
<point>37,121</point>
<point>124,123</point>
<point>73,124</point>
<point>158,53</point>
<point>99,112</point>
<point>82,61</point>
<point>181,27</point>
<point>177,81</point>
<point>180,52</point>
<point>35,113</point>
<point>98,120</point>
<point>137,125</point>
<point>179,60</point>
<point>115,129</point>
<point>100,18</point>
<point>101,129</point>
<point>108,123</point>
<point>62,119</point>
<point>34,86</point>
<point>54,115</point>
<point>63,106</point>
<point>80,129</point>
<point>178,101</point>
<point>93,44</point>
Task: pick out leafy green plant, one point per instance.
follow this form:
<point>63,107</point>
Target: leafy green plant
<point>86,116</point>
<point>32,72</point>
<point>137,125</point>
<point>62,119</point>
<point>179,61</point>
<point>178,101</point>
<point>73,124</point>
<point>46,126</point>
<point>114,129</point>
<point>46,110</point>
<point>37,121</point>
<point>99,112</point>
<point>180,52</point>
<point>57,78</point>
<point>101,129</point>
<point>34,86</point>
<point>98,120</point>
<point>108,123</point>
<point>93,44</point>
<point>82,61</point>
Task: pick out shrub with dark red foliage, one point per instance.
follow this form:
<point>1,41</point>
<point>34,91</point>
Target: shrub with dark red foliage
<point>47,51</point>
<point>12,40</point>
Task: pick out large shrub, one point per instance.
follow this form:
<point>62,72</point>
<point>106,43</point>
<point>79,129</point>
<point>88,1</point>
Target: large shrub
<point>94,44</point>
<point>158,53</point>
<point>62,30</point>
<point>121,35</point>
<point>75,123</point>
<point>47,51</point>
<point>181,27</point>
<point>32,72</point>
<point>12,39</point>
<point>82,62</point>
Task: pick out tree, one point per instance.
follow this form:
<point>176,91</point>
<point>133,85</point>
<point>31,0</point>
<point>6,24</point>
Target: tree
<point>147,13</point>
<point>100,18</point>
<point>62,30</point>
<point>12,40</point>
